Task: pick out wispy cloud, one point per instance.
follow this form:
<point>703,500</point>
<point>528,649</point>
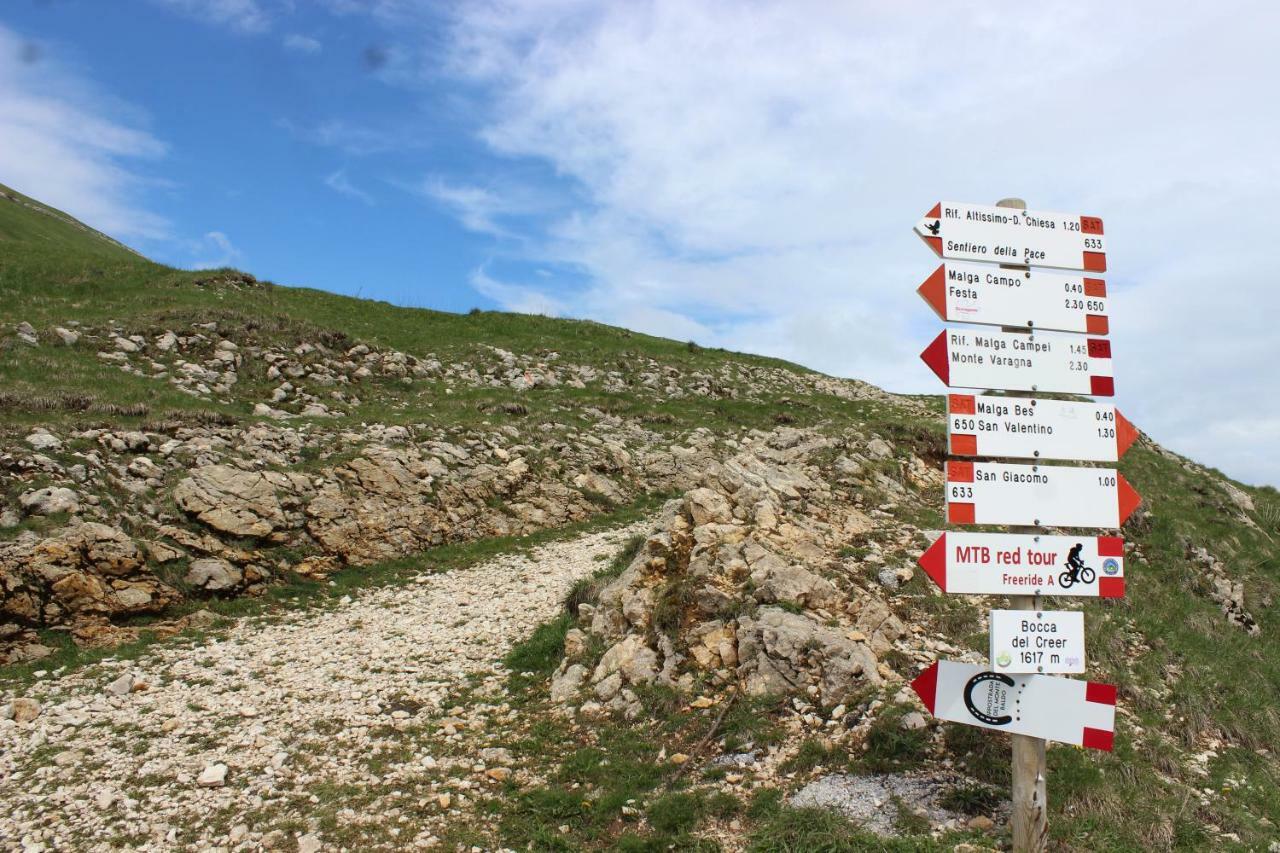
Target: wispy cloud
<point>339,183</point>
<point>352,139</point>
<point>214,250</point>
<point>750,174</point>
<point>477,208</point>
<point>72,146</point>
<point>299,43</point>
<point>245,16</point>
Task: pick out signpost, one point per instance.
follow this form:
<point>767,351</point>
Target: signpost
<point>1002,235</point>
<point>1020,564</point>
<point>1037,495</point>
<point>1023,298</point>
<point>1009,361</point>
<point>1042,706</point>
<point>1018,428</point>
<point>1037,641</point>
<point>1044,299</point>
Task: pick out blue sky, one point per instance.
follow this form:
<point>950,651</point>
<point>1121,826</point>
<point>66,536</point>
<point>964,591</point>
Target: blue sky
<point>745,174</point>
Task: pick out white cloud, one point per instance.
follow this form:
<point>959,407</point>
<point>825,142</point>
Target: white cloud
<point>299,43</point>
<point>351,139</point>
<point>753,171</point>
<point>71,146</point>
<point>339,183</point>
<point>214,250</point>
<point>477,208</point>
<point>245,16</point>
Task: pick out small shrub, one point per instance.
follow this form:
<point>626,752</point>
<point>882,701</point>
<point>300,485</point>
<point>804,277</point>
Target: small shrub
<point>890,747</point>
<point>677,812</point>
<point>970,799</point>
<point>541,653</point>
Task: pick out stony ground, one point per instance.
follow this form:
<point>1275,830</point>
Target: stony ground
<point>285,732</point>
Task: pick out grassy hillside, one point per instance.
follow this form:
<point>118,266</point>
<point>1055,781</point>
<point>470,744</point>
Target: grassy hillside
<point>1195,764</point>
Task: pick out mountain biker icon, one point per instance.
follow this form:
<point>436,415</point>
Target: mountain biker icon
<point>1077,571</point>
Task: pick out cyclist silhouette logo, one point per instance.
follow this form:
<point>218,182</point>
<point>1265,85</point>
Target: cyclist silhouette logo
<point>1077,571</point>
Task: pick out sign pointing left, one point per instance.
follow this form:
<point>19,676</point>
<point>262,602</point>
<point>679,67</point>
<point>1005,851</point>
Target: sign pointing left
<point>1001,235</point>
<point>1010,361</point>
<point>1039,299</point>
<point>1061,709</point>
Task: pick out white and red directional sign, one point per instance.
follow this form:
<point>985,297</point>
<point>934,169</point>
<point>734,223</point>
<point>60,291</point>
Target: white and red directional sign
<point>1011,361</point>
<point>1021,428</point>
<point>1045,706</point>
<point>1045,641</point>
<point>1002,235</point>
<point>1039,495</point>
<point>1037,299</point>
<point>1017,564</point>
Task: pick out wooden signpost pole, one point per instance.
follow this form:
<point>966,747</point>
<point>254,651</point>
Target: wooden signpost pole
<point>1030,821</point>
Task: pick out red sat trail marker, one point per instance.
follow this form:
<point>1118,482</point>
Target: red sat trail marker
<point>1021,428</point>
<point>1040,299</point>
<point>1009,361</point>
<point>1002,235</point>
<point>1044,706</point>
<point>1020,564</point>
<point>1037,495</point>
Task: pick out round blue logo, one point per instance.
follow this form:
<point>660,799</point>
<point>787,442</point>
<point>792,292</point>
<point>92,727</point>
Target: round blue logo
<point>1110,566</point>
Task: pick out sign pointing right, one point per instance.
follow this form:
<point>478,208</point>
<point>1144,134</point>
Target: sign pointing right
<point>1018,428</point>
<point>1037,495</point>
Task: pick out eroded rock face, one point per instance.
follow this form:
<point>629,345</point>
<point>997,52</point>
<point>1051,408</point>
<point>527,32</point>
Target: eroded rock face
<point>741,582</point>
<point>781,652</point>
<point>242,503</point>
<point>213,574</point>
<point>88,571</point>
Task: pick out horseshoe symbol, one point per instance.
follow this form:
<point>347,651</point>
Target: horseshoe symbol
<point>968,697</point>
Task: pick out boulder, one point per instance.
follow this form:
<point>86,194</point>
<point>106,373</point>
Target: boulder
<point>241,503</point>
<point>781,652</point>
<point>213,574</point>
<point>49,500</point>
<point>43,441</point>
<point>776,582</point>
<point>706,506</point>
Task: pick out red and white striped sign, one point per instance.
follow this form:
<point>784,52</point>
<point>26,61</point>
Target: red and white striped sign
<point>1017,564</point>
<point>1020,428</point>
<point>1039,299</point>
<point>1045,706</point>
<point>1010,361</point>
<point>1002,235</point>
<point>1038,495</point>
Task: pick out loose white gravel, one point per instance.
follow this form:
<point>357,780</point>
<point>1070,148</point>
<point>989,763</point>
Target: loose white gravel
<point>293,705</point>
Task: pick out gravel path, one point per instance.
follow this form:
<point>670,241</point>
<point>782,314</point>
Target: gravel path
<point>315,730</point>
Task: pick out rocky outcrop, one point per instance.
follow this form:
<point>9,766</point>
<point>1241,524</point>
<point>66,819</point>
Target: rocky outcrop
<point>90,571</point>
<point>741,583</point>
<point>257,504</point>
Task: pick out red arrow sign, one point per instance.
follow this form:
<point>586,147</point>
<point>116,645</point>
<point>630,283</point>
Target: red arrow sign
<point>1012,428</point>
<point>1039,495</point>
<point>1061,709</point>
<point>975,232</point>
<point>1040,299</point>
<point>1011,361</point>
<point>1016,564</point>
